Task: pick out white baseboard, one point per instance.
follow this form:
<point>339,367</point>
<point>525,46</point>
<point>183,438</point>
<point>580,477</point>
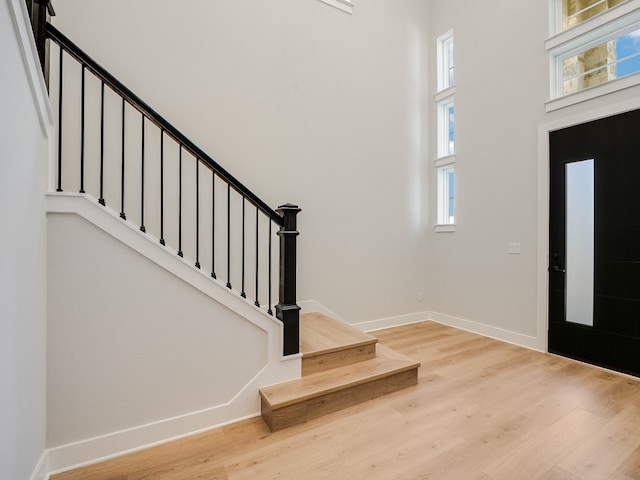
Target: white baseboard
<point>389,322</point>
<point>504,335</point>
<point>41,472</point>
<point>243,406</point>
<point>488,331</point>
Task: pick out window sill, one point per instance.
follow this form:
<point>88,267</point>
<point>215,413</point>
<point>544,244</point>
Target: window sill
<point>446,93</point>
<point>444,227</point>
<point>447,160</point>
<point>593,92</point>
<point>344,5</point>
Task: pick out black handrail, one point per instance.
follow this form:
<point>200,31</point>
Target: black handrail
<point>286,310</point>
<point>153,116</point>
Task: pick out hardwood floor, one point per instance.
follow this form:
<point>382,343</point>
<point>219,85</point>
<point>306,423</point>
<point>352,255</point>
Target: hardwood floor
<point>482,410</point>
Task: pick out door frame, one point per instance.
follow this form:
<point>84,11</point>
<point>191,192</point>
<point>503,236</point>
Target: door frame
<point>588,115</point>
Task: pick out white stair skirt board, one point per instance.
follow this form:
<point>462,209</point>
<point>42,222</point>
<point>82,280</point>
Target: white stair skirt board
<point>244,403</point>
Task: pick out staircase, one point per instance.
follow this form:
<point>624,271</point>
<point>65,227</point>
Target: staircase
<point>341,367</point>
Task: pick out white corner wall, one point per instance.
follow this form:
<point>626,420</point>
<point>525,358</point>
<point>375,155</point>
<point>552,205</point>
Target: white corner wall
<point>24,152</point>
<point>303,103</point>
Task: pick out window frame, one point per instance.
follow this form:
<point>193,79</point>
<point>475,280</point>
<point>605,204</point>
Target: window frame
<point>444,168</point>
<point>563,44</point>
<point>444,67</point>
<point>445,163</point>
<point>445,132</point>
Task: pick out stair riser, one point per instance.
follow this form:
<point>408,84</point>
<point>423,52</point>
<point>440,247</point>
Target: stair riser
<point>316,407</point>
<point>327,361</point>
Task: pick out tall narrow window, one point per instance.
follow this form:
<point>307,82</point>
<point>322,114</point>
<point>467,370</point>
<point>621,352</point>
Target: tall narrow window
<point>446,196</point>
<point>446,128</point>
<point>446,134</point>
<point>446,65</point>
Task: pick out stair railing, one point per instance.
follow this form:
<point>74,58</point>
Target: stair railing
<point>113,146</point>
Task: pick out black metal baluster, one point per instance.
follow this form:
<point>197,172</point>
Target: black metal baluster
<point>101,199</point>
<point>180,254</point>
<point>242,293</point>
<point>269,311</point>
<point>162,187</point>
<point>228,235</point>
<point>82,114</point>
<point>197,213</point>
<point>59,188</point>
<point>142,227</point>
<point>213,224</point>
<point>257,302</point>
<point>122,214</point>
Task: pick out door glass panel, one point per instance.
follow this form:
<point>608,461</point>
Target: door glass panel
<point>579,248</point>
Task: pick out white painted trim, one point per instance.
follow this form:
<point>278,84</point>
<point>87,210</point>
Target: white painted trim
<point>344,5</point>
<point>31,62</point>
<point>543,200</point>
<point>527,341</point>
<point>148,246</point>
<point>594,92</point>
<point>446,93</point>
<point>41,472</point>
<point>308,306</point>
<point>487,331</point>
<point>444,161</point>
<point>444,227</point>
<point>389,322</point>
<point>245,402</point>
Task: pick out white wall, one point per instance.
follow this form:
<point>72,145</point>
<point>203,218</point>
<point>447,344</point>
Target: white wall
<point>23,168</point>
<point>501,85</point>
<point>141,347</point>
<point>304,104</point>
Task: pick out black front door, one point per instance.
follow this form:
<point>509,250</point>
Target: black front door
<point>594,242</point>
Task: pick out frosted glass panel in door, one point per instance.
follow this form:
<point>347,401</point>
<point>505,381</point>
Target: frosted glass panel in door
<point>579,248</point>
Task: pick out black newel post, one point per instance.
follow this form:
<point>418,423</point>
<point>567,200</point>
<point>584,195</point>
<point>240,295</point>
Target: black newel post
<point>287,311</point>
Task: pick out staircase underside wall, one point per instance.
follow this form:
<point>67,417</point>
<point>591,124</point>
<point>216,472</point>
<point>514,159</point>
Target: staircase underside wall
<point>138,355</point>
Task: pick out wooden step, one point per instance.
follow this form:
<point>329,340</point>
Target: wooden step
<point>326,343</point>
<point>311,396</point>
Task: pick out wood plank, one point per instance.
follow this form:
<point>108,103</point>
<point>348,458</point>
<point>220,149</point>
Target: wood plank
<point>322,361</point>
<point>387,362</point>
<point>600,455</point>
<point>321,334</point>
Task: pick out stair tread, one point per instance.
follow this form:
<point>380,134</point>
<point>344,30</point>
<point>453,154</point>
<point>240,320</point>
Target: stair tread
<point>320,334</point>
<point>387,362</point>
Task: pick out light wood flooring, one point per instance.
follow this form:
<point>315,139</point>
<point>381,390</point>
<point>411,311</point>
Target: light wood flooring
<point>482,410</point>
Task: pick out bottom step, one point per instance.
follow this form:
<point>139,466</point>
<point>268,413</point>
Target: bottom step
<point>312,396</point>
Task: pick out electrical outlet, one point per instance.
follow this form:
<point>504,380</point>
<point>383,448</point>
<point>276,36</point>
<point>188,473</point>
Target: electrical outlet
<point>514,248</point>
<point>421,296</point>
